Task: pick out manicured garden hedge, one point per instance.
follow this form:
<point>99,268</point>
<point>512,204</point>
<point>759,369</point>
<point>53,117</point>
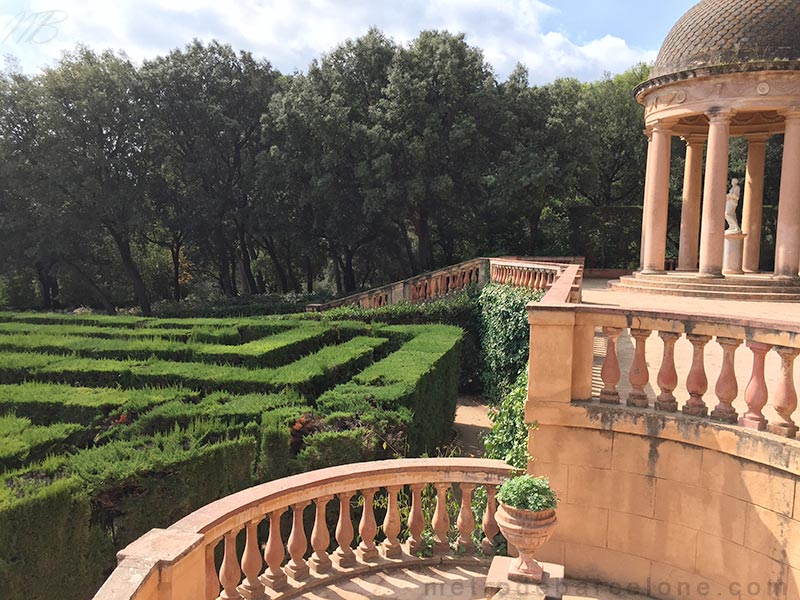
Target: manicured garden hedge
<point>148,419</point>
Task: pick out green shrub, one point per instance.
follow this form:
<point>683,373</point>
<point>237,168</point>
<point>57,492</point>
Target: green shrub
<point>22,443</point>
<point>47,403</point>
<point>508,438</point>
<point>331,448</point>
<point>421,376</point>
<point>527,492</point>
<point>460,309</point>
<point>47,548</point>
<point>504,336</point>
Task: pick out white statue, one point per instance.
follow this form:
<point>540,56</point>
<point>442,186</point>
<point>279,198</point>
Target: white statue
<point>731,203</point>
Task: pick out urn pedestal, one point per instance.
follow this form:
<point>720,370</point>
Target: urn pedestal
<point>528,531</point>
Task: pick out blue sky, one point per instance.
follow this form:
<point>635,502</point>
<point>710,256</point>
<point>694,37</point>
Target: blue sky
<point>576,38</point>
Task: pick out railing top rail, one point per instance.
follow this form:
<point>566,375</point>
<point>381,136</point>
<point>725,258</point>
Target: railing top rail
<point>771,331</point>
<point>561,291</point>
<point>231,512</point>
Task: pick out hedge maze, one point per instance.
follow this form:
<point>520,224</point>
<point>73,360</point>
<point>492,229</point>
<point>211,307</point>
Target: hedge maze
<point>110,426</point>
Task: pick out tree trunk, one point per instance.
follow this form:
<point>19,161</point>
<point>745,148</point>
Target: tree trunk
<point>247,270</point>
<point>337,273</point>
<point>409,250</point>
<point>175,251</point>
<point>309,276</point>
<point>348,272</point>
<point>533,224</point>
<point>223,262</point>
<point>108,306</point>
<point>425,248</point>
<point>45,283</point>
<point>129,265</point>
<point>261,283</point>
<point>269,244</point>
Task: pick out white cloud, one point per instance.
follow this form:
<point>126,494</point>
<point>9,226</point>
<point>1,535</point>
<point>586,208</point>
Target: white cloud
<point>290,33</point>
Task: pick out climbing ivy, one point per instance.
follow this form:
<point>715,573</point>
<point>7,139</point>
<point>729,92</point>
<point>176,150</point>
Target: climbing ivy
<point>504,336</point>
<point>508,438</point>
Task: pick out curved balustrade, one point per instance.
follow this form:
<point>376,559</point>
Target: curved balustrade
<point>178,563</point>
<point>535,273</point>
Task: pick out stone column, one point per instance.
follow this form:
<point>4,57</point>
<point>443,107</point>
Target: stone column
<point>647,179</point>
<point>656,200</point>
<point>690,205</point>
<point>716,181</point>
<point>753,201</point>
<point>787,239</point>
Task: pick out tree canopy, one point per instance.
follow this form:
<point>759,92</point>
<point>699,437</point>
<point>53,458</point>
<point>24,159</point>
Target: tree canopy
<point>207,172</point>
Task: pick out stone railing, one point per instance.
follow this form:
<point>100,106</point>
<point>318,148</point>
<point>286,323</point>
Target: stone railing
<point>728,333</point>
<point>535,273</point>
<point>669,437</point>
<point>181,562</point>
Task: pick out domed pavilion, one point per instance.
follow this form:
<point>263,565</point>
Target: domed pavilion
<point>728,68</point>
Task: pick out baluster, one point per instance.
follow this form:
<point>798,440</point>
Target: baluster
<point>785,401</point>
<point>212,579</point>
<point>251,587</point>
<point>416,521</point>
<point>229,572</point>
<point>344,555</point>
<point>274,577</point>
<point>696,381</point>
<point>609,373</point>
<point>320,562</point>
<point>639,375</point>
<point>489,525</point>
<point>667,375</point>
<point>367,528</point>
<point>755,394</point>
<point>441,521</point>
<point>391,546</point>
<point>466,520</point>
<point>727,387</point>
<point>297,568</point>
<point>537,281</point>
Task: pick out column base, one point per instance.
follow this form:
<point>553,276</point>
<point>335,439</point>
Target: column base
<point>653,271</point>
<point>686,270</point>
<point>710,275</point>
<point>750,423</point>
<point>787,278</point>
<point>784,429</point>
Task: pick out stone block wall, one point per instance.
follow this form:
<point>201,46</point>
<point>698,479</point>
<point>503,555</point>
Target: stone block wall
<point>670,510</point>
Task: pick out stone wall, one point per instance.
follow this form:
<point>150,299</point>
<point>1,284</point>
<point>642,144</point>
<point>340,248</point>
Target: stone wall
<point>670,506</point>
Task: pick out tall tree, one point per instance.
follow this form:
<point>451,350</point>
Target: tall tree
<point>437,118</point>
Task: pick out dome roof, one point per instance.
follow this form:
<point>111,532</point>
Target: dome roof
<point>731,36</point>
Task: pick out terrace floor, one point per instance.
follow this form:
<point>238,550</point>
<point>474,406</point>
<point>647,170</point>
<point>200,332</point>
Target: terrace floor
<point>449,582</point>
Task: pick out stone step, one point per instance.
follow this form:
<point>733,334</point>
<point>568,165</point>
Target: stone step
<point>760,296</point>
<point>710,285</point>
<point>750,280</point>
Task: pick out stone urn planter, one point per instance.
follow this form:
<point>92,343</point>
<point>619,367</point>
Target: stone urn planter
<point>526,516</point>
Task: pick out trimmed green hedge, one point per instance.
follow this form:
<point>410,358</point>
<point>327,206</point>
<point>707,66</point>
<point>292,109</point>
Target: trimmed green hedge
<point>310,375</point>
<point>418,380</point>
<point>22,443</point>
<point>63,520</point>
<point>47,403</point>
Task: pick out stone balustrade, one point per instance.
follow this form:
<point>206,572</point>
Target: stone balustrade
<point>535,273</point>
<point>277,540</point>
<point>710,395</point>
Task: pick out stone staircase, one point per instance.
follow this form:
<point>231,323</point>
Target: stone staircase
<point>753,287</point>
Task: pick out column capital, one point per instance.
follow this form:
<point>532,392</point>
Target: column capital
<point>720,115</point>
<point>790,114</point>
<point>648,133</point>
<point>758,138</point>
<point>694,139</point>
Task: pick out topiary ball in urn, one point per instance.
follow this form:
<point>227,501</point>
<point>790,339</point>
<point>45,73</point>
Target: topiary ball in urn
<point>526,516</point>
